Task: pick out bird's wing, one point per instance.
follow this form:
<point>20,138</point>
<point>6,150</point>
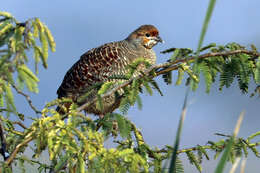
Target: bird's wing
<point>94,66</point>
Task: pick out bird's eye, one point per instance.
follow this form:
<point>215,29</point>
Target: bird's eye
<point>147,35</point>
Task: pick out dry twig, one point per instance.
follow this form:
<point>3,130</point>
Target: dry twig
<point>27,97</point>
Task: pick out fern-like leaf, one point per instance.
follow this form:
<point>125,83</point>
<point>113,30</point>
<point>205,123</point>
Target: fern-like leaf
<point>207,76</point>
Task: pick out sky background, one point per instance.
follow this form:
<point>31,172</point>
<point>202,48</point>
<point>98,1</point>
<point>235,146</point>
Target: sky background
<point>78,26</point>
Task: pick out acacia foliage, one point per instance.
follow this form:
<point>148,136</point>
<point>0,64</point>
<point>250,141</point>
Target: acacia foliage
<point>75,142</point>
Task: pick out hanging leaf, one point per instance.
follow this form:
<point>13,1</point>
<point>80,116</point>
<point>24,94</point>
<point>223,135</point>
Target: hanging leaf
<point>257,71</point>
<point>156,86</point>
<point>124,105</point>
<point>5,28</point>
<point>180,76</point>
<point>167,77</point>
<point>50,38</point>
<point>30,74</point>
<point>44,61</point>
<point>5,14</point>
<point>9,96</point>
<point>105,87</point>
<point>123,125</point>
<point>207,76</point>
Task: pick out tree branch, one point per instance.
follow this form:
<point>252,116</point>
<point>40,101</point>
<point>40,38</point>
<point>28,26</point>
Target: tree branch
<point>204,147</point>
<point>171,65</point>
<point>167,67</point>
<point>20,124</point>
<point>27,97</point>
<point>17,148</point>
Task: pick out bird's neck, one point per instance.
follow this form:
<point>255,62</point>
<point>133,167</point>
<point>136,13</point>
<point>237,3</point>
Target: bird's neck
<point>134,43</point>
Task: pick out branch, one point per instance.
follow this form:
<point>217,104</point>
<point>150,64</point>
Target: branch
<point>3,51</point>
<point>27,97</point>
<point>203,56</point>
<point>20,124</point>
<point>167,67</point>
<point>17,148</point>
<point>204,147</point>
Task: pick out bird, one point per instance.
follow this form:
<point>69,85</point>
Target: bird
<point>98,64</point>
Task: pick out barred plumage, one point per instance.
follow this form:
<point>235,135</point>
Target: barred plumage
<point>98,64</point>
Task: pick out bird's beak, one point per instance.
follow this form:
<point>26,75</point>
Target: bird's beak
<point>159,39</point>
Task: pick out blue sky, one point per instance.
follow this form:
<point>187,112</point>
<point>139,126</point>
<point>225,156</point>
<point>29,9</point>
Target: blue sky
<point>80,25</point>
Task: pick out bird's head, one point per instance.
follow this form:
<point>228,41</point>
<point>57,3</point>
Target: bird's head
<point>145,35</point>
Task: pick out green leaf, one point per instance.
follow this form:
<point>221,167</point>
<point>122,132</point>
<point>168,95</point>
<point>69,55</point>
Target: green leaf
<point>194,76</point>
<point>257,71</point>
<point>62,162</point>
<point>139,102</point>
<point>123,125</point>
<point>4,24</point>
<point>224,158</point>
<point>156,86</point>
<point>9,96</point>
<point>207,76</point>
<point>133,93</point>
<point>227,75</point>
<point>44,42</point>
<point>35,29</point>
<point>99,103</point>
<point>179,166</point>
<point>124,105</point>
<point>105,87</point>
<point>148,88</point>
<point>37,59</point>
<point>5,14</point>
<point>180,76</point>
<point>81,165</point>
<point>173,164</point>
<point>193,160</point>
<point>175,54</point>
<point>6,37</point>
<point>1,99</point>
<point>30,83</point>
<point>39,50</point>
<point>208,47</point>
<point>44,46</point>
<point>50,38</point>
<point>30,74</point>
<point>5,29</point>
<point>167,77</point>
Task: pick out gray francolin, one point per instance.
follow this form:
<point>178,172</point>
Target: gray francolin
<point>99,63</point>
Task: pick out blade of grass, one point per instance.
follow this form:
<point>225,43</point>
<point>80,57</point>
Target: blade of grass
<point>206,23</point>
<point>202,35</point>
<point>224,158</point>
<point>243,165</point>
<point>195,67</point>
<point>234,166</point>
<point>178,135</point>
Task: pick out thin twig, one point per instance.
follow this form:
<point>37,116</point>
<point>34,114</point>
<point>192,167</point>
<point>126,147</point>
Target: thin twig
<point>20,124</point>
<point>167,67</point>
<point>171,65</point>
<point>27,97</point>
<point>17,149</point>
<point>207,147</point>
<point>3,50</point>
